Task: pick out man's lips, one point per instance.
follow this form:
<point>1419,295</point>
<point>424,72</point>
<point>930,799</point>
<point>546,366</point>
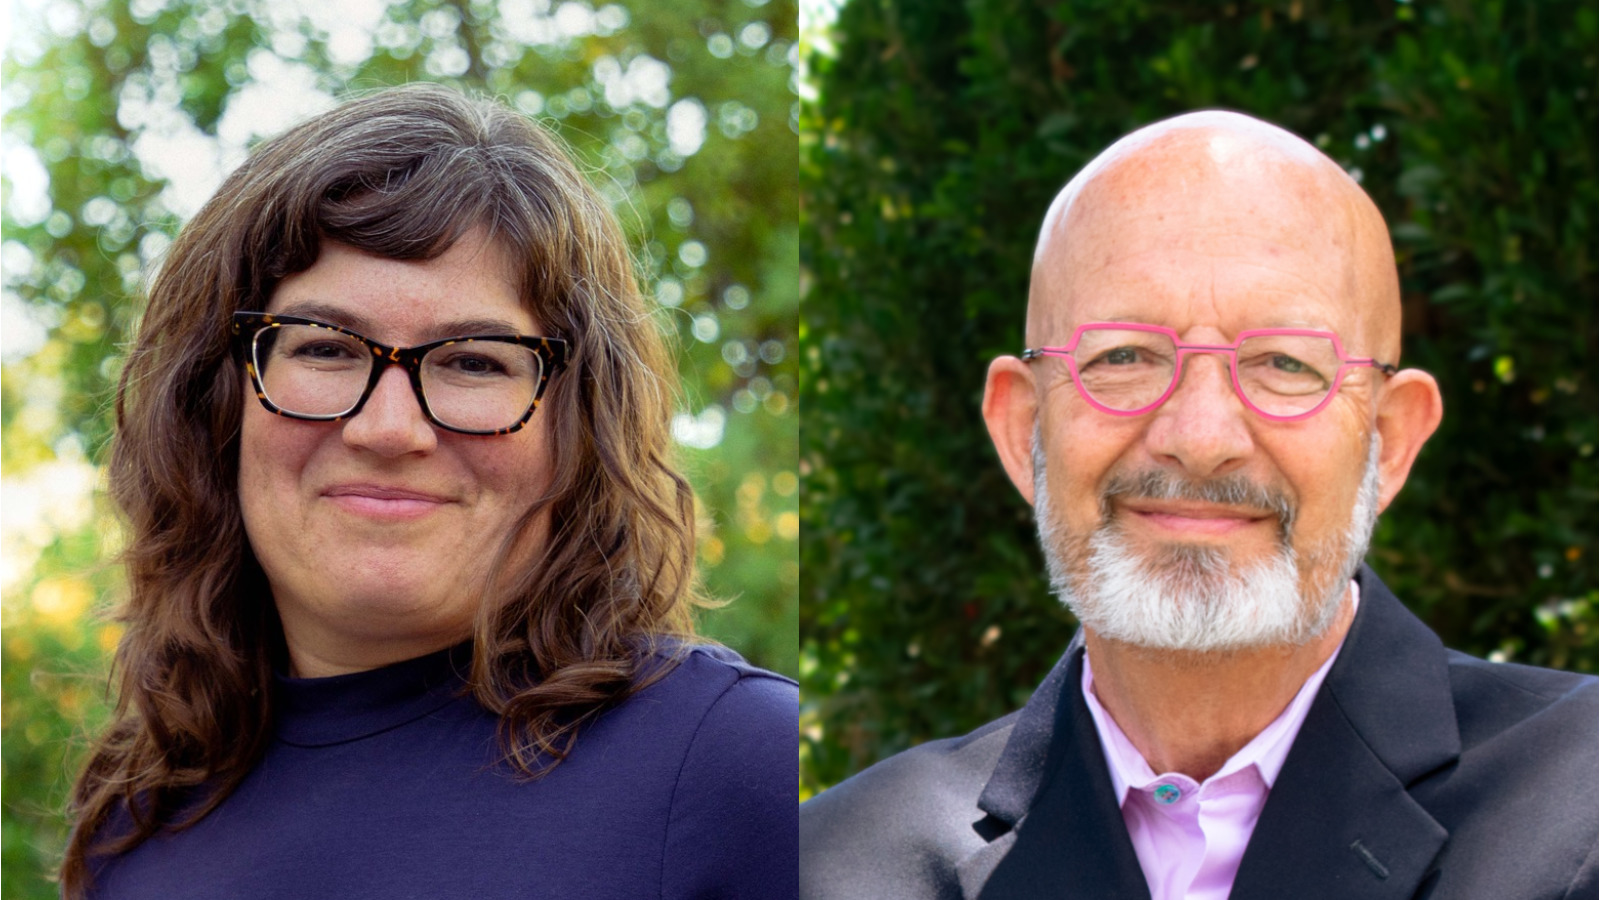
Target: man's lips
<point>384,501</point>
<point>1196,518</point>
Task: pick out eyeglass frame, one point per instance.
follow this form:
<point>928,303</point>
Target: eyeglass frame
<point>1345,364</point>
<point>247,326</point>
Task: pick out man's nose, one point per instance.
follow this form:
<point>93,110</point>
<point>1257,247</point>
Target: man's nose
<point>391,422</point>
<point>1204,426</point>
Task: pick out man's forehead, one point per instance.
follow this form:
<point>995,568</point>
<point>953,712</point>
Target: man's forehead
<point>1224,185</point>
<point>1210,141</point>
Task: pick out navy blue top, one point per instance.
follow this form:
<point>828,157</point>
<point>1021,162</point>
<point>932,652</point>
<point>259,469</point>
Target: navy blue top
<point>390,784</point>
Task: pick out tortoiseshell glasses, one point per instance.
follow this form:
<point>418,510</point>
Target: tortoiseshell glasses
<point>474,384</point>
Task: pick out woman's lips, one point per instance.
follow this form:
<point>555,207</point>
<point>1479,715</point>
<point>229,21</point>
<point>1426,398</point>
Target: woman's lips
<point>379,502</point>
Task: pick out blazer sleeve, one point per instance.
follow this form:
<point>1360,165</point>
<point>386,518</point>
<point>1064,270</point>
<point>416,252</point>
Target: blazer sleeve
<point>732,831</point>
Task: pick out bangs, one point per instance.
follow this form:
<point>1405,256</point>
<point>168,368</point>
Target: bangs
<point>408,188</point>
<point>420,211</point>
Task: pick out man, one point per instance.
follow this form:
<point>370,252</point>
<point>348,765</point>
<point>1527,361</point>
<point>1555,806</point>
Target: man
<point>1208,421</point>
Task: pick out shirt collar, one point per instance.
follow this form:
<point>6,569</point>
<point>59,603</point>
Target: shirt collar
<point>322,712</point>
<point>1266,752</point>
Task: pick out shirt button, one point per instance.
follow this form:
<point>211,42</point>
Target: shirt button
<point>1168,794</point>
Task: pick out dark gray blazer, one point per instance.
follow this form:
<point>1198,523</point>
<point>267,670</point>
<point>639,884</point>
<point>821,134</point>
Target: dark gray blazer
<point>1419,772</point>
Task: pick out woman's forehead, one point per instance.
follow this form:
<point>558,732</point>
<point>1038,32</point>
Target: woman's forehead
<point>466,290</point>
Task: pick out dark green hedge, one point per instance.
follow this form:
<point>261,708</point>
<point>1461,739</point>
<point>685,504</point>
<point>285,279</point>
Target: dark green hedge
<point>941,134</point>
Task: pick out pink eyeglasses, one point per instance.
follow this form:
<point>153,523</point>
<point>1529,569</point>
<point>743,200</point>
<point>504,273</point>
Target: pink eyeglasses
<point>1282,373</point>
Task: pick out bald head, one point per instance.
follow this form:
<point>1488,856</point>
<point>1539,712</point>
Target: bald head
<point>1221,194</point>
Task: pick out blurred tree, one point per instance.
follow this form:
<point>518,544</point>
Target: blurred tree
<point>937,136</point>
<point>121,117</point>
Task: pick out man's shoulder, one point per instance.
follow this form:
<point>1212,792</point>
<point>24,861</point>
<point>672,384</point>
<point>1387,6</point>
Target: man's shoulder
<point>1494,700</point>
<point>897,828</point>
<point>1400,683</point>
<point>1519,801</point>
<point>1548,685</point>
<point>954,770</point>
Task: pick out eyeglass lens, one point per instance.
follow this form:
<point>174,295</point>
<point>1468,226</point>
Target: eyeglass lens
<point>1282,375</point>
<point>472,385</point>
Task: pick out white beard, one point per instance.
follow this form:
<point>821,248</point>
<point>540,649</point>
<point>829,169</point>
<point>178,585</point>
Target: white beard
<point>1185,597</point>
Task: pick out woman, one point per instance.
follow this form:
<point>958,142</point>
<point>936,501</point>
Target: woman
<point>411,574</point>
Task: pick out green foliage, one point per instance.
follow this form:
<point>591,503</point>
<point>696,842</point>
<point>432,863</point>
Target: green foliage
<point>940,135</point>
<point>50,676</point>
<point>94,88</point>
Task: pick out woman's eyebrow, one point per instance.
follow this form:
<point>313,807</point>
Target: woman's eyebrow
<point>325,312</point>
<point>462,327</point>
<point>355,321</point>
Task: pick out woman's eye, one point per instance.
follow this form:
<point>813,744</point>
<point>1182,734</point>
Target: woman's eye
<point>474,365</point>
<point>1288,364</point>
<point>323,350</point>
<point>1121,356</point>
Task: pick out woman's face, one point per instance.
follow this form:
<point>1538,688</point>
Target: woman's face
<point>376,532</point>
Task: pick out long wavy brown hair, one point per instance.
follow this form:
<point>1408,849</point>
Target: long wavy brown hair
<point>569,628</point>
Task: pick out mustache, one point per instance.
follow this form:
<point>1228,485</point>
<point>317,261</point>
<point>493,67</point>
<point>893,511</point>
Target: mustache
<point>1226,490</point>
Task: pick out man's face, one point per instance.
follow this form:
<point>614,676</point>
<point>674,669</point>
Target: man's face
<point>1202,501</point>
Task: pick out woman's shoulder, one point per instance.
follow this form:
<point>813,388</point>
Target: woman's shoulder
<point>717,686</point>
<point>706,667</point>
<point>733,828</point>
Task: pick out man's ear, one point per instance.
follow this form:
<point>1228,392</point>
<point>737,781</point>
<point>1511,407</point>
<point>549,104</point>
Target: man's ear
<point>1011,409</point>
<point>1409,410</point>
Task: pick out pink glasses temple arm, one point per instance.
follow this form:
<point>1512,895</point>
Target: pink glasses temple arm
<point>1388,369</point>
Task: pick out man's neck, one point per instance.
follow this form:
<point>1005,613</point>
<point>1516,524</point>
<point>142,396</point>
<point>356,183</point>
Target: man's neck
<point>1189,712</point>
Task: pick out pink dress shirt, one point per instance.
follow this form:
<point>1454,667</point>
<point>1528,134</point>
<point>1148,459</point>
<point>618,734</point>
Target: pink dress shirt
<point>1190,836</point>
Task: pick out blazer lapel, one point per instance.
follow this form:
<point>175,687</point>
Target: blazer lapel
<point>1053,817</point>
<point>1339,822</point>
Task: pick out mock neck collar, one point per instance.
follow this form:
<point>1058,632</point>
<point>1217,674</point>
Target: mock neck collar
<point>322,712</point>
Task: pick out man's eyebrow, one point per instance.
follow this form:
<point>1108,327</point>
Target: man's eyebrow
<point>1118,319</point>
<point>1305,324</point>
<point>355,321</point>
